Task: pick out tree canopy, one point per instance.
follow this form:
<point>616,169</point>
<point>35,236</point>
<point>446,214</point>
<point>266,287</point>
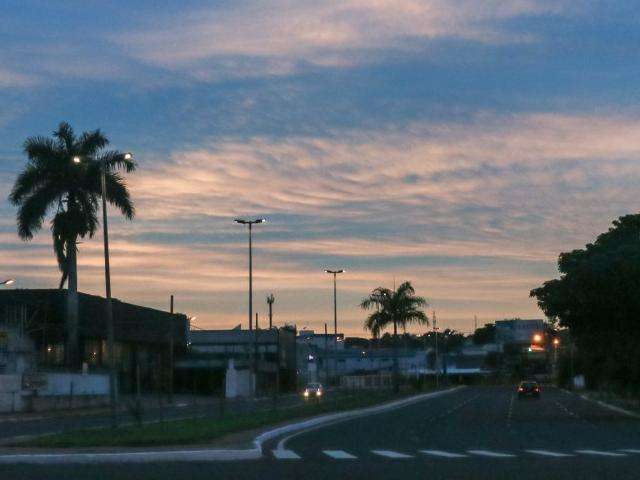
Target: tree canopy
<point>598,298</point>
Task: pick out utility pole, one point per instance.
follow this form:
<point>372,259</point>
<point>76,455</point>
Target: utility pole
<point>270,300</point>
<point>326,356</point>
<point>255,359</point>
<point>435,329</point>
<point>171,352</point>
<point>475,323</point>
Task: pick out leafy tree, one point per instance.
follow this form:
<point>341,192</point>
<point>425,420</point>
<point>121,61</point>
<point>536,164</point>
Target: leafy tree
<point>62,176</point>
<point>397,308</point>
<point>484,335</point>
<point>597,298</point>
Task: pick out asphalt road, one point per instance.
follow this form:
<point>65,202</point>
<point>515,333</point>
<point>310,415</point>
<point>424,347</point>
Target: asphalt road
<point>474,433</point>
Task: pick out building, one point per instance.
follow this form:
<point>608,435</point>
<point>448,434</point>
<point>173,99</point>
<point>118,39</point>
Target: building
<point>518,333</point>
<point>271,354</point>
<point>145,338</point>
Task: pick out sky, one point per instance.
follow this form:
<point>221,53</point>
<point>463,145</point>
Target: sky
<point>458,144</point>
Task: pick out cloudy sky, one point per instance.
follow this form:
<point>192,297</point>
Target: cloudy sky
<point>459,144</point>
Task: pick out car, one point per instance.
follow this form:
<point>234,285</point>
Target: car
<point>313,390</point>
<point>529,388</point>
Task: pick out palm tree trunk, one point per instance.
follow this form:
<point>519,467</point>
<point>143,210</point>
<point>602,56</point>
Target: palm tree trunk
<point>396,372</point>
<point>71,317</point>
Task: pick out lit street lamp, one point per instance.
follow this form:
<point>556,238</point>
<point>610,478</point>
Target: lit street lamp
<point>537,338</point>
<point>250,223</point>
<point>8,281</point>
<point>107,281</point>
<point>335,300</point>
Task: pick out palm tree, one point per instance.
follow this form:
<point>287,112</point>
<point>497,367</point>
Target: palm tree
<point>62,176</point>
<point>398,308</point>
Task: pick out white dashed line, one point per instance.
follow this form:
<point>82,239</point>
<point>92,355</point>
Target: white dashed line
<point>282,454</point>
<point>489,453</point>
<point>601,453</point>
<point>390,454</point>
<point>441,453</point>
<point>547,453</point>
<point>339,454</point>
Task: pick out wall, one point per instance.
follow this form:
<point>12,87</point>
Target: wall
<point>10,393</point>
<point>59,390</point>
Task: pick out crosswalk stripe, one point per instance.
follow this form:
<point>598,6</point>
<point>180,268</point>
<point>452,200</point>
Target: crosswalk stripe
<point>489,453</point>
<point>601,453</point>
<point>339,454</point>
<point>391,454</point>
<point>547,453</point>
<point>285,454</point>
<point>630,450</point>
<point>442,453</point>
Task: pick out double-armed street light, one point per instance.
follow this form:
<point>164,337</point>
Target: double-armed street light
<point>250,224</point>
<point>335,299</point>
<point>107,280</point>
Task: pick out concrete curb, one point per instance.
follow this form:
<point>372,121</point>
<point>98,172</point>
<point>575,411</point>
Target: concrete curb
<point>611,407</point>
<point>207,455</point>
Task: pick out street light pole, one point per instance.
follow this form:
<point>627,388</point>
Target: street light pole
<point>335,299</point>
<point>108,304</point>
<point>250,223</point>
<point>8,281</point>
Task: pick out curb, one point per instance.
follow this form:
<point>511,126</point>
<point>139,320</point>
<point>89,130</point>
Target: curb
<point>207,455</point>
<point>610,407</point>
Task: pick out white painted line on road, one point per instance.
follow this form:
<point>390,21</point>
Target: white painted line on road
<point>630,450</point>
<point>306,426</point>
<point>601,453</point>
<point>547,453</point>
<point>211,455</point>
<point>489,453</point>
<point>391,454</point>
<point>285,454</point>
<point>339,454</point>
<point>441,453</point>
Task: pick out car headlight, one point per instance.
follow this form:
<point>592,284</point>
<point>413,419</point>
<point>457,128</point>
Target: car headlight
<point>319,393</point>
<point>306,393</point>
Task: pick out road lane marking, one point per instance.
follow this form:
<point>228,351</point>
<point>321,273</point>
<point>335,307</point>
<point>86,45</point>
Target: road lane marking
<point>339,454</point>
<point>630,450</point>
<point>442,453</point>
<point>390,454</point>
<point>547,453</point>
<point>601,453</point>
<point>282,454</point>
<point>489,453</point>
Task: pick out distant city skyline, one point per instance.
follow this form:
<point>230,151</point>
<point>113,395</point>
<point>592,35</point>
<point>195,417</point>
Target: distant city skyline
<point>458,145</point>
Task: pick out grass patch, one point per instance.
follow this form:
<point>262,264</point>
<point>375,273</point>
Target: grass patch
<point>201,430</point>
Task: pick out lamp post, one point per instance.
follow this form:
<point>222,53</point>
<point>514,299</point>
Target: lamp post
<point>8,281</point>
<point>250,223</point>
<point>335,318</point>
<point>107,282</point>
<point>335,299</point>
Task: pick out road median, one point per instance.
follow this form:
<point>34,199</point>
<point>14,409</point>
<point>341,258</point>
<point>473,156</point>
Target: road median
<point>158,442</point>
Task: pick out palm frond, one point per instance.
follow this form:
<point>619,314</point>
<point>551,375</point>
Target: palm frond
<point>90,143</point>
<point>66,137</point>
<point>115,160</point>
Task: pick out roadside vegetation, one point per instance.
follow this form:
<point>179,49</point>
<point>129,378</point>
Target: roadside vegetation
<point>597,301</point>
<point>203,430</point>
